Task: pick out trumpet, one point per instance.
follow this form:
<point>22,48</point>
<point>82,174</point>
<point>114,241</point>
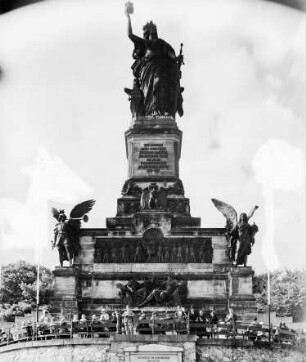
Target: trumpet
<point>84,218</point>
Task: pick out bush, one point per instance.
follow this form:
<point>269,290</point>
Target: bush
<point>19,284</point>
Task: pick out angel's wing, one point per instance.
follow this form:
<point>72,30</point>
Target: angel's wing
<point>83,208</point>
<point>55,213</point>
<point>228,211</point>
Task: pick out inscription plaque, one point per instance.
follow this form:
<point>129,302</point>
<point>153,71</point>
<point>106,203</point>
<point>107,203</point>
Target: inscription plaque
<point>153,157</point>
<point>153,353</point>
<point>135,357</point>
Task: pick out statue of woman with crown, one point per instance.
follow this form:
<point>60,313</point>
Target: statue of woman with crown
<point>157,71</point>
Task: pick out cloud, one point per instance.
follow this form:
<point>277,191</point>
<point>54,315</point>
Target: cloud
<point>243,79</point>
<point>51,180</point>
<point>280,165</point>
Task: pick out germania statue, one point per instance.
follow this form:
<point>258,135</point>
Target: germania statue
<point>156,70</point>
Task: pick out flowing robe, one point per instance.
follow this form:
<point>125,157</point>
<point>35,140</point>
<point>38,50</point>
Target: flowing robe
<point>157,70</point>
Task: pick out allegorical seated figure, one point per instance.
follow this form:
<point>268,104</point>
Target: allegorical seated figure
<point>171,291</point>
<point>157,72</point>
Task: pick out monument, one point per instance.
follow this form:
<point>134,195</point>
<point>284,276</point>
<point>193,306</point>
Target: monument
<point>153,252</point>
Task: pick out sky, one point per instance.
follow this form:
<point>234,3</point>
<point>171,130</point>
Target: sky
<point>63,114</point>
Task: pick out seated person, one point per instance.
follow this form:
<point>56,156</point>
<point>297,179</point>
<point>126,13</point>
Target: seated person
<point>104,317</point>
<point>93,324</point>
<point>180,317</point>
<point>166,317</point>
<point>185,314</point>
<point>255,322</point>
<point>179,314</point>
<point>82,326</point>
<point>114,316</point>
<point>283,326</point>
<point>45,318</point>
<point>23,330</point>
<point>83,319</point>
<point>62,325</point>
<point>229,317</point>
<point>251,333</point>
<point>62,319</point>
<point>141,325</point>
<point>193,314</point>
<point>213,319</point>
<point>201,316</point>
<point>94,319</point>
<point>230,320</point>
<point>52,324</point>
<point>142,316</point>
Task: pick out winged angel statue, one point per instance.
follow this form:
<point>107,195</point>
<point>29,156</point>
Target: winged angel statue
<point>67,231</point>
<point>238,230</point>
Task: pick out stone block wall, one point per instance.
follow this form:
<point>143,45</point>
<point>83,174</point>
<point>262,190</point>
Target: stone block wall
<point>114,350</point>
<point>228,354</point>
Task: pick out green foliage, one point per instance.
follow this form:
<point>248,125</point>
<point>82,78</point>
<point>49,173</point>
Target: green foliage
<point>288,291</point>
<point>19,284</point>
<point>9,312</point>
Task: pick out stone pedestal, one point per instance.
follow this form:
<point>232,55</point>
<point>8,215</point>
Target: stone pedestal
<point>153,242</point>
<point>241,297</point>
<point>66,291</point>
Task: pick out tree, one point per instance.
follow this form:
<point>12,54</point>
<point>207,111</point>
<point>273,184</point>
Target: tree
<point>19,284</point>
<point>288,291</point>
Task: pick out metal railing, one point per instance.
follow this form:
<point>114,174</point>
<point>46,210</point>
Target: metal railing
<point>232,331</point>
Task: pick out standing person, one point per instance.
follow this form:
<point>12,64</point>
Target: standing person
<point>83,328</point>
<point>128,320</point>
<point>213,319</point>
<point>116,318</point>
<point>230,320</point>
<point>192,317</point>
<point>104,319</point>
<point>230,316</point>
<point>180,320</point>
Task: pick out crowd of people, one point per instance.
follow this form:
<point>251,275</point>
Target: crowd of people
<point>179,321</point>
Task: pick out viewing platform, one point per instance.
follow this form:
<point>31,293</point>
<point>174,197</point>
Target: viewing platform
<point>168,341</point>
